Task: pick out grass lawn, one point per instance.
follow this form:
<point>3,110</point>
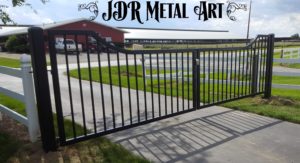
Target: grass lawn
<point>286,80</point>
<point>294,65</point>
<point>97,150</point>
<point>278,55</point>
<point>284,105</point>
<point>165,86</point>
<point>8,146</point>
<point>14,63</point>
<point>94,150</point>
<point>102,148</point>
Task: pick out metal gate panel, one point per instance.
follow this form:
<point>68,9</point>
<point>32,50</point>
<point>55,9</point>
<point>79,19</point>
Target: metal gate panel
<point>133,88</point>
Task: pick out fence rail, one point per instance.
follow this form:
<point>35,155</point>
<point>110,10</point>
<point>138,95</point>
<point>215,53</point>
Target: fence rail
<point>289,53</point>
<point>158,85</point>
<point>31,118</point>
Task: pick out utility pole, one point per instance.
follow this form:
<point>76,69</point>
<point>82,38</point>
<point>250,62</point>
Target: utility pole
<point>249,18</point>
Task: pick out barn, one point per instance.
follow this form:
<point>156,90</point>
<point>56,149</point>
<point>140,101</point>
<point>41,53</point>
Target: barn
<point>110,34</point>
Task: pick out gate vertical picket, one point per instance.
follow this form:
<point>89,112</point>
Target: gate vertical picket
<point>255,60</point>
<point>42,91</point>
<point>196,82</point>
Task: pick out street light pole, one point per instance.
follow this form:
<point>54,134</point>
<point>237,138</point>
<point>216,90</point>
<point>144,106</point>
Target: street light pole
<point>249,18</point>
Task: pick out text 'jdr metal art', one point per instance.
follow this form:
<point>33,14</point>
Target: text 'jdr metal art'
<point>156,10</point>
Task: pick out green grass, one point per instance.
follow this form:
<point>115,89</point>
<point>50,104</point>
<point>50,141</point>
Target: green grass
<point>94,150</point>
<point>8,146</point>
<point>280,107</point>
<point>109,151</point>
<point>169,84</point>
<point>287,93</point>
<point>286,80</point>
<point>278,45</point>
<point>294,65</point>
<point>289,112</point>
<point>14,63</point>
<point>277,55</point>
<point>19,107</point>
<point>183,88</point>
<point>13,104</point>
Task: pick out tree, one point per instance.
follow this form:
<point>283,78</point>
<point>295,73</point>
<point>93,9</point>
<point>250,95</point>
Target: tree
<point>296,35</point>
<point>17,44</point>
<point>4,16</point>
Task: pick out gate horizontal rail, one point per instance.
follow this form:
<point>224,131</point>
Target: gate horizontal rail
<point>158,85</point>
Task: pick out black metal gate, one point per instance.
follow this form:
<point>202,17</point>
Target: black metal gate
<point>116,89</point>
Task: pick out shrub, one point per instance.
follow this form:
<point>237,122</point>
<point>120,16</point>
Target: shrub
<point>17,44</point>
<point>11,42</point>
<point>22,49</point>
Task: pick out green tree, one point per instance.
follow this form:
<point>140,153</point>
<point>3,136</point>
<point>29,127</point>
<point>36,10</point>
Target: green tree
<point>4,16</point>
<point>17,44</point>
<point>296,35</point>
<point>11,42</point>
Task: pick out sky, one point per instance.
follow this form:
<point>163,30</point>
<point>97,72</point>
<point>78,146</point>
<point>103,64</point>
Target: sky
<point>281,17</point>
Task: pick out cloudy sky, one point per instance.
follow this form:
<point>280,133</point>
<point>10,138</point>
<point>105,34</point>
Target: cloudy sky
<point>281,17</point>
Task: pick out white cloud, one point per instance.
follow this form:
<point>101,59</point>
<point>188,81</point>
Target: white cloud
<point>25,15</point>
<point>268,16</point>
<point>284,25</point>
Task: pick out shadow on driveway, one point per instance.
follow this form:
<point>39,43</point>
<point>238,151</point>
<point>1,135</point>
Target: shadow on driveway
<point>179,142</point>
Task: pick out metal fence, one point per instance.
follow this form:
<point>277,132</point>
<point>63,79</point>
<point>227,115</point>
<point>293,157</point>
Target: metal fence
<point>132,88</point>
<point>31,118</point>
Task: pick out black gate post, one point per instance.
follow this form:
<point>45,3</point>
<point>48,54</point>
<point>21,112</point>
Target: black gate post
<point>255,64</point>
<point>269,66</point>
<point>196,82</point>
<point>42,91</point>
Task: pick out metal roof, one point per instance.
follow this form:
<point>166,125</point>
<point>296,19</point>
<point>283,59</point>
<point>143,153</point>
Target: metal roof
<point>135,33</point>
<point>175,34</point>
<point>24,30</point>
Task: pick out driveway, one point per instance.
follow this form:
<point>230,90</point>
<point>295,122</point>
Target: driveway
<point>214,134</point>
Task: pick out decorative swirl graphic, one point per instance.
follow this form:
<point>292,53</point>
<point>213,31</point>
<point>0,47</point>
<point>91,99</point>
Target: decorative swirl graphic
<point>233,7</point>
<point>92,7</point>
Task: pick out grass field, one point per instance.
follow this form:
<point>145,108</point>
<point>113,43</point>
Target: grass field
<point>103,149</point>
<point>277,45</point>
<point>8,146</point>
<point>14,63</point>
<point>294,65</point>
<point>275,107</point>
<point>286,80</point>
